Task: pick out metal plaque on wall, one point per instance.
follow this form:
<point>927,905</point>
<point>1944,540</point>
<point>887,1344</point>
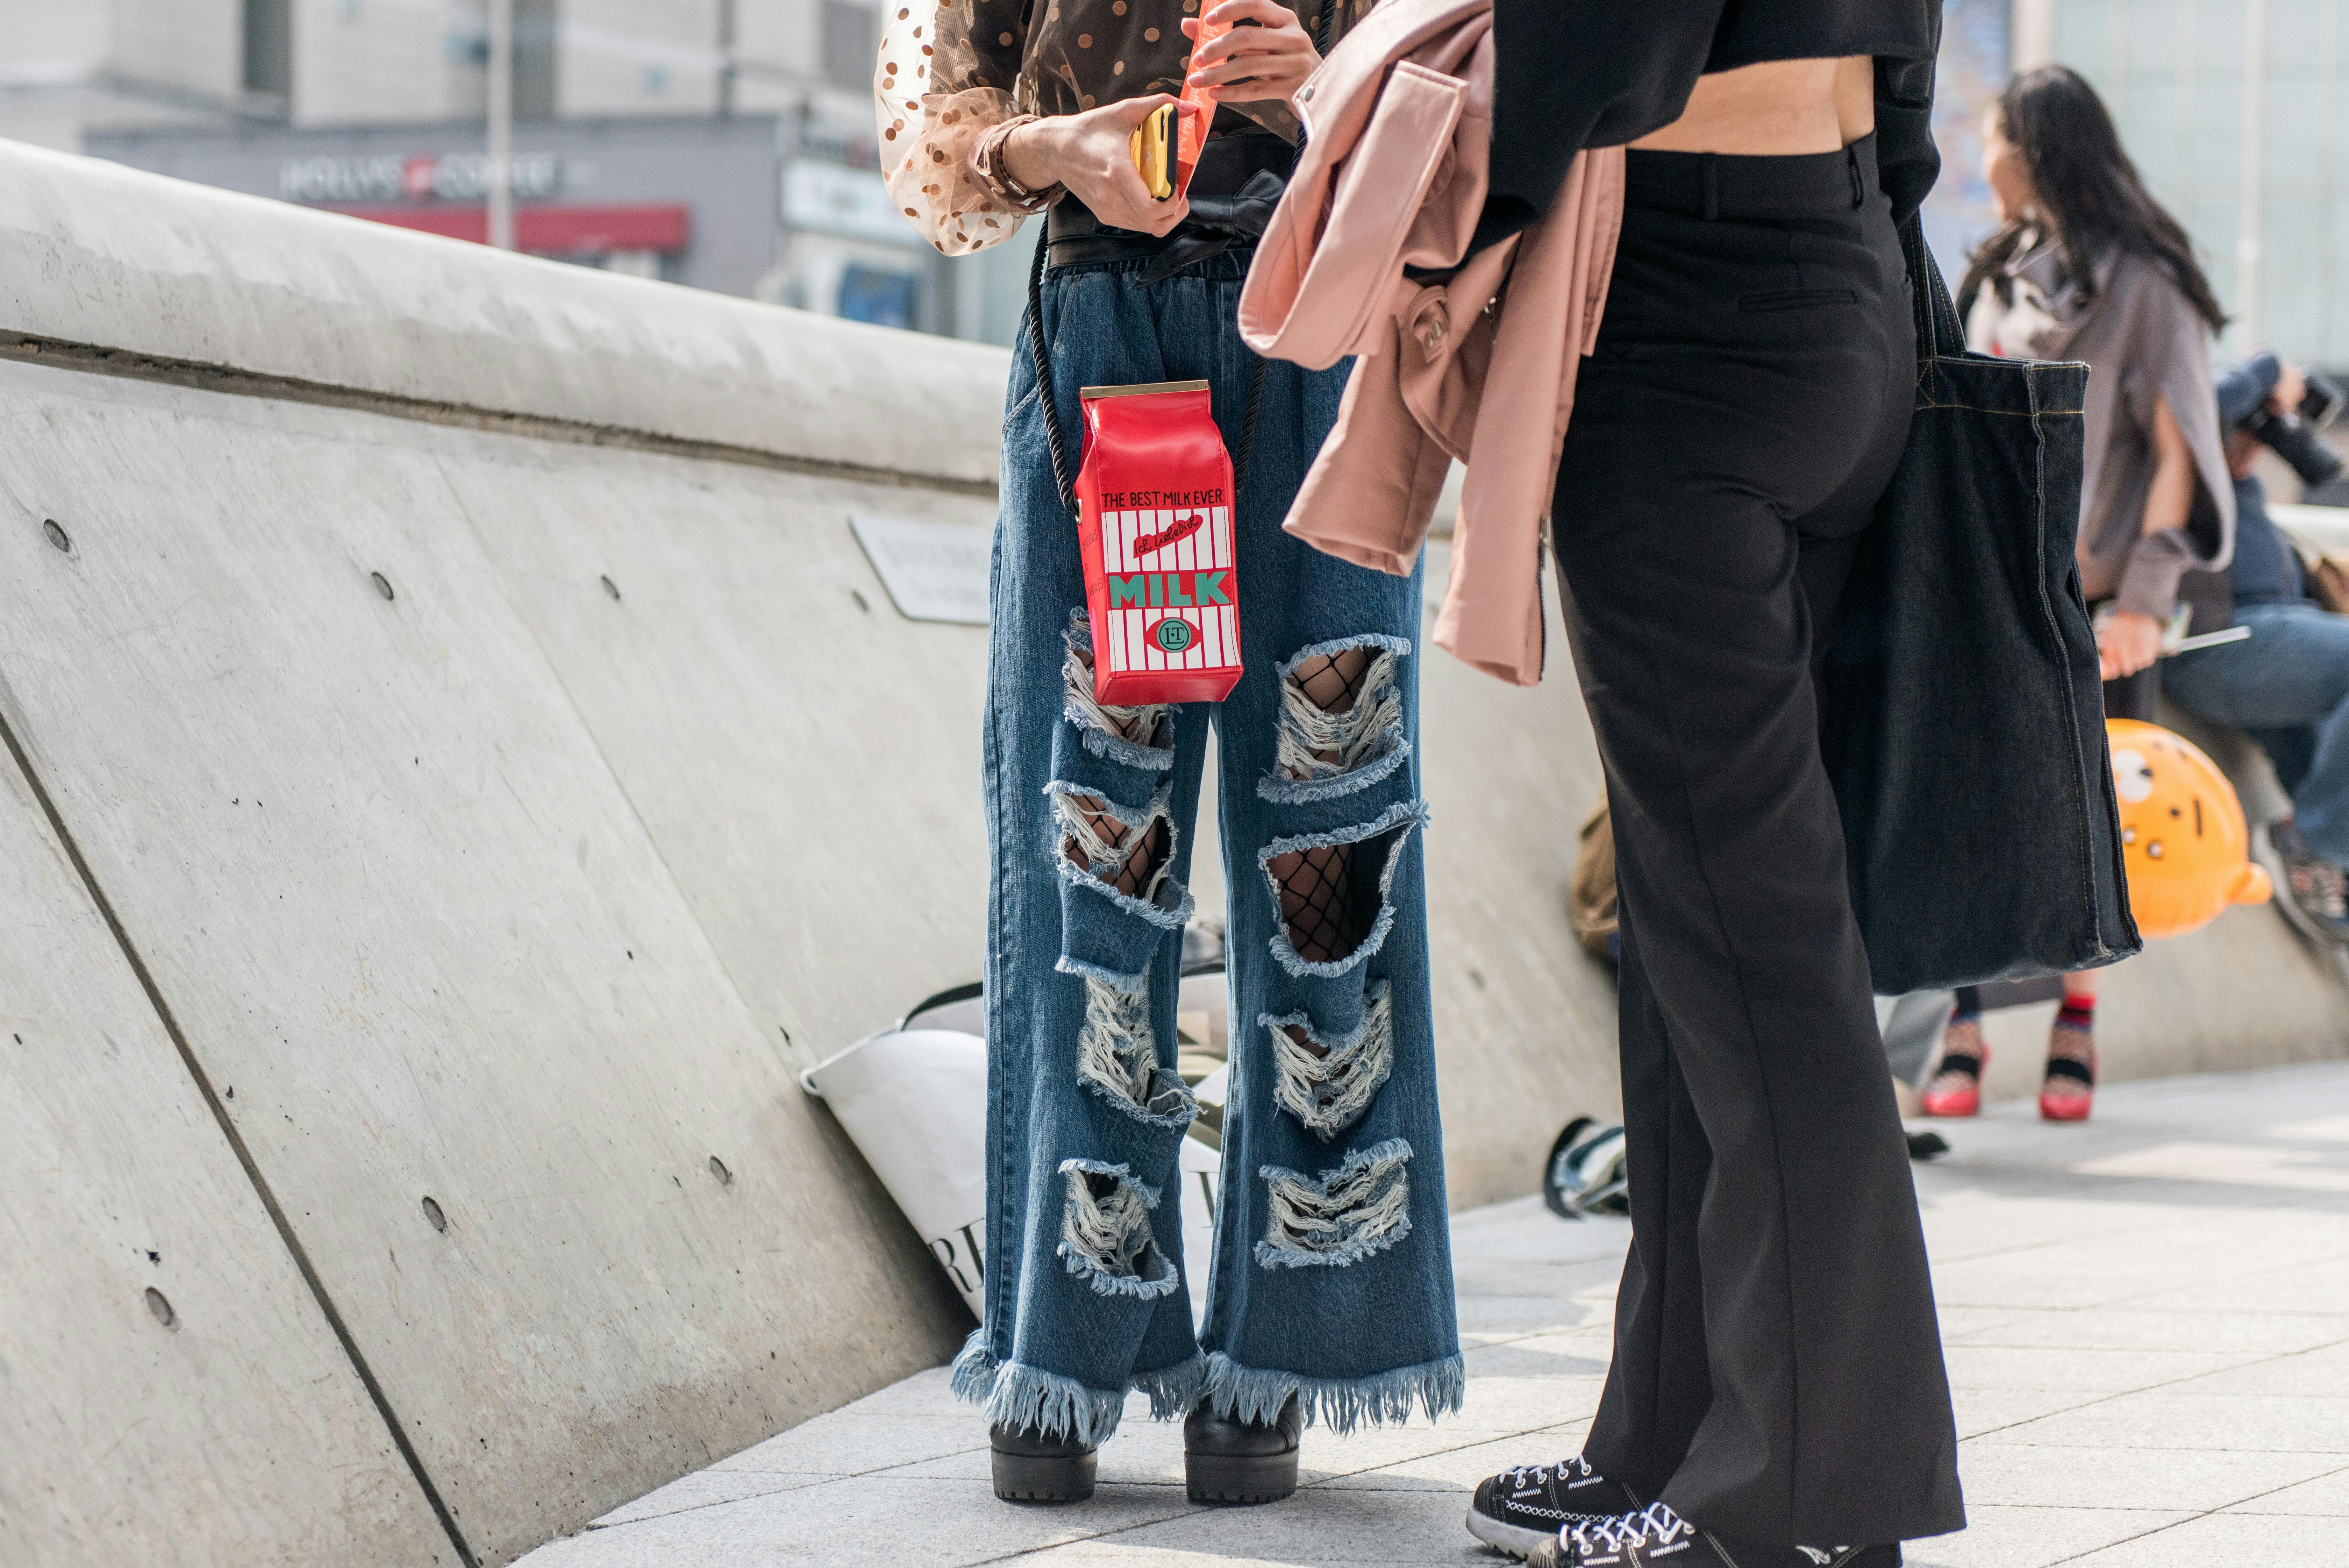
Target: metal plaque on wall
<point>933,571</point>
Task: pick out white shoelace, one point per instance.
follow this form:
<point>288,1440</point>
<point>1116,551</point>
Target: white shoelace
<point>1561,1468</point>
<point>1654,1525</point>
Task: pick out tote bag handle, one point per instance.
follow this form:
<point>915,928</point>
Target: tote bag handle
<point>1940,333</point>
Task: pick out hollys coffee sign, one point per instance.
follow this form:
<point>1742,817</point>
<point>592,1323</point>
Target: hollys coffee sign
<point>415,177</point>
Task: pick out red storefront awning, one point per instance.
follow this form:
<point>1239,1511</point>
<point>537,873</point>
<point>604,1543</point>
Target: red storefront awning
<point>552,229</point>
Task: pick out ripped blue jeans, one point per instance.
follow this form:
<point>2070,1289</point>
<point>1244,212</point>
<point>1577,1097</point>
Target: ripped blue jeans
<point>1332,1274</point>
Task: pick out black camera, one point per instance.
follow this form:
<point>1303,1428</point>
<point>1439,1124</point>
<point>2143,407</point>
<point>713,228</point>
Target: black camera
<point>2292,437</point>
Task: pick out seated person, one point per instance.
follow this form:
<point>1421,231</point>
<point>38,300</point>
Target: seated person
<point>2291,675</point>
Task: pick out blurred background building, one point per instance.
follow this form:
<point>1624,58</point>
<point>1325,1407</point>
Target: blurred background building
<point>726,144</point>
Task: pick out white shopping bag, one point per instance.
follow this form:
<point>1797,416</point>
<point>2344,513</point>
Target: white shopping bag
<point>1200,1167</point>
<point>914,1102</point>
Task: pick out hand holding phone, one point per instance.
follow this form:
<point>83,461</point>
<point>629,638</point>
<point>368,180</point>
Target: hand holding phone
<point>1155,153</point>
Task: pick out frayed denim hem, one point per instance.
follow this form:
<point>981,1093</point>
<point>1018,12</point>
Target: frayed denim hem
<point>1173,1390</point>
<point>1022,1397</point>
<point>972,1377</point>
<point>1257,1394</point>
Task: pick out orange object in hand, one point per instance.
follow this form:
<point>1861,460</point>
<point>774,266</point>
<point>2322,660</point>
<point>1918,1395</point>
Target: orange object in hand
<point>1198,112</point>
<point>2184,843</point>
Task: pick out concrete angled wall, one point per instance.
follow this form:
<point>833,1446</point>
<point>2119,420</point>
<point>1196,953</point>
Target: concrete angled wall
<point>105,255</point>
<point>169,1392</point>
<point>558,1179</point>
<point>396,801</point>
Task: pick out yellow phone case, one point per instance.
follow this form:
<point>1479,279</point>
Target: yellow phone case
<point>1152,146</point>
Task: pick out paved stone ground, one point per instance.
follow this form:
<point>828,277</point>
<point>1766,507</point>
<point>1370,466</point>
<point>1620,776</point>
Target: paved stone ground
<point>2148,1323</point>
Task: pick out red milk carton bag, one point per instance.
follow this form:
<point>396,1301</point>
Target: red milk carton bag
<point>1155,522</point>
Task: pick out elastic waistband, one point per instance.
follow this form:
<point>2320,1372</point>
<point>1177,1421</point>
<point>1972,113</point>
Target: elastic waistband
<point>1735,186</point>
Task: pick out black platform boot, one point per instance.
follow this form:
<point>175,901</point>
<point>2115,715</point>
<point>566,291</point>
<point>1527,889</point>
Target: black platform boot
<point>1032,1468</point>
<point>1234,1461</point>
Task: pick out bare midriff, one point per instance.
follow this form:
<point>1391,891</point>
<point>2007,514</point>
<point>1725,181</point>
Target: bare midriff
<point>1776,109</point>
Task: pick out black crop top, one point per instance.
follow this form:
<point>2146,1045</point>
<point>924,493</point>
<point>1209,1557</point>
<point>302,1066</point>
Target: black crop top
<point>1572,74</point>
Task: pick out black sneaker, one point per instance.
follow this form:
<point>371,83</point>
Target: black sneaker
<point>2315,891</point>
<point>1523,1510</point>
<point>1656,1536</point>
<point>1924,1146</point>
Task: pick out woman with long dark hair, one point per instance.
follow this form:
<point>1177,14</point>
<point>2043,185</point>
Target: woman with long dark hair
<point>2085,264</point>
<point>1776,1397</point>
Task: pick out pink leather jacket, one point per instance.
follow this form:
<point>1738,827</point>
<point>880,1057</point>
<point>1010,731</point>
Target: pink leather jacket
<point>1480,367</point>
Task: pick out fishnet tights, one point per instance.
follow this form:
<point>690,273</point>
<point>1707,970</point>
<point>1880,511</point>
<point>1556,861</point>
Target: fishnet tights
<point>1316,903</point>
<point>1145,848</point>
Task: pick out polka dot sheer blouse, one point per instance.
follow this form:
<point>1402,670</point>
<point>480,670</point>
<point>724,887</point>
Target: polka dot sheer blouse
<point>949,73</point>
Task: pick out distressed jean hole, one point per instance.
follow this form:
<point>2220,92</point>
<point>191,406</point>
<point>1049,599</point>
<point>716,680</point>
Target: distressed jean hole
<point>1129,856</point>
<point>1329,895</point>
<point>1105,1236</point>
<point>1117,1055</point>
<point>1341,1217</point>
<point>1331,680</point>
<point>1328,1084</point>
<point>1340,711</point>
<point>1145,726</point>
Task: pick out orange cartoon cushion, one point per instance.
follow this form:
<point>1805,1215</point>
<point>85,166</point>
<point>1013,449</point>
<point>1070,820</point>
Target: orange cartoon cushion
<point>2183,840</point>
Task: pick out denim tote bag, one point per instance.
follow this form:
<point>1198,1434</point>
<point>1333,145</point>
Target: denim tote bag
<point>1962,718</point>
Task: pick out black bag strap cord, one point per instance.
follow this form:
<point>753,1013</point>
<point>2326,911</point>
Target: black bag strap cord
<point>1940,333</point>
<point>1042,356</point>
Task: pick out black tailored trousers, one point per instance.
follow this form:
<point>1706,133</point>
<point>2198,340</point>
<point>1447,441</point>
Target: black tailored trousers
<point>1778,1372</point>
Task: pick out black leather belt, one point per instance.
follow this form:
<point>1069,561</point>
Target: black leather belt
<point>1233,191</point>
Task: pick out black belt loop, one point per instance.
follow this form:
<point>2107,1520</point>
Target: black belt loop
<point>1858,185</point>
<point>1712,167</point>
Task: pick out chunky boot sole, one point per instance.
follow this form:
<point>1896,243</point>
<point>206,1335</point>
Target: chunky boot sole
<point>1237,1481</point>
<point>1027,1477</point>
